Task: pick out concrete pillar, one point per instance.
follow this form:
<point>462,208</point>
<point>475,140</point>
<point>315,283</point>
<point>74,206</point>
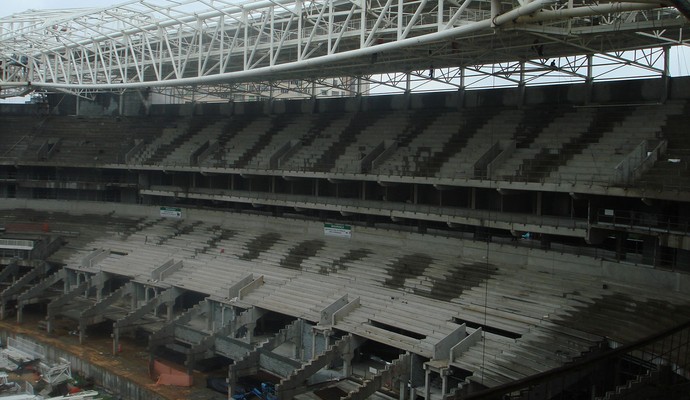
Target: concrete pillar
<point>133,300</point>
<point>99,292</point>
<point>427,383</point>
<point>347,363</point>
<point>621,237</point>
<point>169,305</point>
<point>444,381</point>
<point>403,389</point>
<point>82,329</point>
<point>650,250</point>
<point>210,319</point>
<point>232,382</point>
<point>116,338</point>
<point>545,242</point>
<point>250,331</point>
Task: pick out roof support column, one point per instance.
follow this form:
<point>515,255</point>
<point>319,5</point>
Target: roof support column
<point>521,85</point>
<point>665,79</point>
<point>589,80</point>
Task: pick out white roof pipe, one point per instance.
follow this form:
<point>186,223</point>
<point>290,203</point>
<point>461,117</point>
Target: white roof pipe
<point>512,16</point>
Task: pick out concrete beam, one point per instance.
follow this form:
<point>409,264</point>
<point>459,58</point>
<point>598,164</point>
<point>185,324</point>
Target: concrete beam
<point>399,369</point>
<point>94,258</point>
<point>262,356</point>
<point>344,310</point>
<point>443,348</point>
<point>34,291</point>
<point>295,383</point>
<point>234,290</point>
<point>98,309</point>
<point>326,316</point>
<point>55,305</point>
<point>128,321</point>
<point>246,289</point>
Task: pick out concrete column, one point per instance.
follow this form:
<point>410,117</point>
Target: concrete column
<point>313,345</point>
<point>347,363</point>
<point>427,382</point>
<point>99,292</point>
<point>20,312</point>
<point>650,250</point>
<point>169,306</point>
<point>545,242</point>
<point>250,331</point>
<point>403,389</point>
<point>210,319</point>
<point>444,381</point>
<point>82,329</point>
<point>621,237</point>
<point>296,350</point>
<point>133,300</point>
<point>116,338</point>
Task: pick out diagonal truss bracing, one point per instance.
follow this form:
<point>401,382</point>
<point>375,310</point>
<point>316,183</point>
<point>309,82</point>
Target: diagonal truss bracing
<point>147,44</point>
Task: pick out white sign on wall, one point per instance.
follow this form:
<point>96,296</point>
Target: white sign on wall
<point>171,212</point>
<point>340,230</point>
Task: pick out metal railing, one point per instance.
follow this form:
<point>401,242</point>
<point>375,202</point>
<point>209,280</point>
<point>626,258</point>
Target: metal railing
<point>659,361</point>
<point>642,221</point>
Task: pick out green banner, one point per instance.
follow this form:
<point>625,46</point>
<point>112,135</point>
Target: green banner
<point>340,230</point>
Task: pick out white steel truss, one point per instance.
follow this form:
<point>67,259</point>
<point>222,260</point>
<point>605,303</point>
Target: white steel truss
<point>216,45</point>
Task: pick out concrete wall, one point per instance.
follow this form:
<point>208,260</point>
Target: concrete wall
<point>132,103</point>
<point>125,388</point>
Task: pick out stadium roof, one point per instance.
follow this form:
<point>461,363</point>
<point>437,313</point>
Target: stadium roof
<point>218,45</point>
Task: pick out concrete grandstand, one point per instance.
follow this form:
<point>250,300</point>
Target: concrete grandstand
<point>523,242</point>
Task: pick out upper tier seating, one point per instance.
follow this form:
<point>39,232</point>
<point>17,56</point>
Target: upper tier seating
<point>557,144</point>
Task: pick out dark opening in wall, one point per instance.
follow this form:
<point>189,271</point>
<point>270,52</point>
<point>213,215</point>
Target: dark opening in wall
<point>487,328</point>
<point>397,330</point>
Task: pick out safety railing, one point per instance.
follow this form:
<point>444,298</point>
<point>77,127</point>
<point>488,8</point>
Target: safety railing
<point>659,361</point>
<point>642,221</point>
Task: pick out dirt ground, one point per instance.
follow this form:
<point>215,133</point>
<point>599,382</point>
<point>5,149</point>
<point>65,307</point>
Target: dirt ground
<point>131,363</point>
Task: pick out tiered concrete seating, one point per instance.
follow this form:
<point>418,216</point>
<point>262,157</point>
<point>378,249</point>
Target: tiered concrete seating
<point>243,141</point>
<point>410,296</point>
<point>164,140</point>
<point>671,171</point>
<point>181,155</point>
<point>388,126</point>
<point>294,130</point>
<point>94,140</point>
<point>307,158</point>
<point>413,158</point>
<point>598,161</point>
<point>17,133</point>
<point>561,129</point>
<point>499,127</point>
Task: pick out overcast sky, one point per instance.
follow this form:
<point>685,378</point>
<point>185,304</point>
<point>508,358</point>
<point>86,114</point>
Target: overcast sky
<point>10,7</point>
